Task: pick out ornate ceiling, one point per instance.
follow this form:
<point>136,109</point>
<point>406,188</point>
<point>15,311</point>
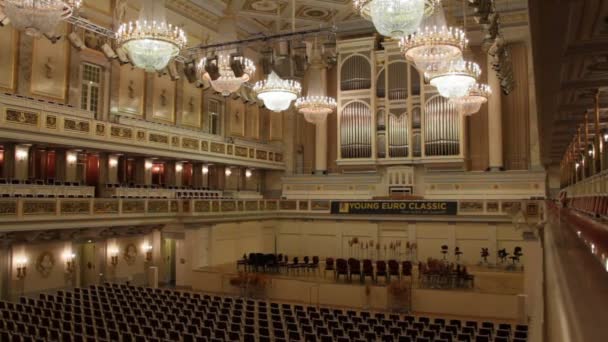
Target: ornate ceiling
<point>570,42</point>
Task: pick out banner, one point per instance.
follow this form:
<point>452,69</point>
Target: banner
<point>394,207</point>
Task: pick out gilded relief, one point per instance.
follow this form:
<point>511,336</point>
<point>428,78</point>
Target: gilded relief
<point>163,99</point>
<point>131,91</point>
<point>78,126</point>
<point>191,144</point>
<point>237,117</point>
<point>51,122</point>
<point>159,138</point>
<point>105,207</point>
<point>50,66</point>
<point>130,207</point>
<point>471,206</point>
<point>21,117</point>
<point>202,206</point>
<point>156,207</point>
<point>192,100</point>
<point>74,207</point>
<point>8,208</point>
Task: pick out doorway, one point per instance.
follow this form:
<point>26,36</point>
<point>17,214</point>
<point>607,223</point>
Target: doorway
<point>169,261</point>
<point>89,265</point>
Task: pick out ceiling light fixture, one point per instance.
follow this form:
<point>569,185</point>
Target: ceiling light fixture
<point>471,103</point>
<point>36,17</point>
<point>277,93</point>
<point>226,73</point>
<point>435,44</point>
<point>456,79</point>
<point>150,42</point>
<point>316,108</point>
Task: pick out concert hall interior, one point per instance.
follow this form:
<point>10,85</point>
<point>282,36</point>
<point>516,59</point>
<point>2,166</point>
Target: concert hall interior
<point>303,170</point>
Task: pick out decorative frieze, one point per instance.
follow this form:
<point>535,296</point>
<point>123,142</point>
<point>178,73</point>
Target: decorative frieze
<point>289,205</point>
<point>470,206</point>
<point>204,146</point>
<point>511,207</point>
<point>39,208</point>
<point>121,132</point>
<point>141,136</point>
<point>202,206</point>
<point>175,141</point>
<point>158,207</point>
<point>320,205</point>
<point>174,206</point>
<point>271,205</point>
<point>100,129</point>
<point>76,126</point>
<point>240,151</point>
<point>51,122</point>
<point>228,206</point>
<point>105,207</point>
<point>303,205</point>
<point>263,155</point>
<point>159,138</point>
<point>218,148</point>
<point>251,205</point>
<point>133,207</point>
<point>22,117</point>
<point>8,208</point>
<point>229,150</point>
<point>74,207</point>
<point>191,144</point>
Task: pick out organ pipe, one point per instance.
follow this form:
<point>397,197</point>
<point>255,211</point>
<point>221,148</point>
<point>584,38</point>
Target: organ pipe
<point>398,135</point>
<point>356,131</point>
<point>442,130</point>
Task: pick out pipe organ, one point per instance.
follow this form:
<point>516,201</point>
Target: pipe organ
<point>356,131</point>
<point>442,128</point>
<point>392,117</point>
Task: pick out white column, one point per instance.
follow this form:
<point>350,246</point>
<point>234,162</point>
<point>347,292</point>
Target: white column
<point>494,120</point>
<point>317,86</point>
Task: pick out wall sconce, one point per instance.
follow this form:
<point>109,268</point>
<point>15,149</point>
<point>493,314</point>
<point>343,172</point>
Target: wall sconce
<point>68,257</point>
<point>248,173</point>
<point>113,161</point>
<point>21,263</point>
<point>147,249</point>
<point>591,150</point>
<point>71,158</point>
<point>205,169</point>
<point>577,165</point>
<point>606,137</point>
<point>113,252</point>
<point>148,165</point>
<point>178,167</point>
<point>21,154</point>
<point>228,172</point>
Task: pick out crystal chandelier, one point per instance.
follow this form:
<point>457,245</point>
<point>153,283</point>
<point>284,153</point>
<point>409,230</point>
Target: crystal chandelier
<point>396,18</point>
<point>38,17</point>
<point>471,103</point>
<point>150,42</point>
<point>226,73</point>
<point>277,93</point>
<point>316,108</point>
<point>456,79</point>
<point>364,9</point>
<point>435,44</point>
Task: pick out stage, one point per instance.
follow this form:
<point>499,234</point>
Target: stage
<point>496,292</point>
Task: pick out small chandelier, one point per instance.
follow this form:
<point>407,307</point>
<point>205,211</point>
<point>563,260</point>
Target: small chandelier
<point>226,73</point>
<point>432,46</point>
<point>38,17</point>
<point>471,103</point>
<point>150,42</point>
<point>277,93</point>
<point>316,108</point>
<point>456,79</point>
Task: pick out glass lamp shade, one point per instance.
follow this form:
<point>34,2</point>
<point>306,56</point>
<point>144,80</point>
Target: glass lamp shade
<point>456,79</point>
<point>316,108</point>
<point>277,101</point>
<point>227,84</point>
<point>151,54</point>
<point>277,93</point>
<point>38,17</point>
<point>471,103</point>
<point>397,18</point>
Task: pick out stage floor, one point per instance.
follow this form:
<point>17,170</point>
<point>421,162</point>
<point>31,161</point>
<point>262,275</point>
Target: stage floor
<point>487,280</point>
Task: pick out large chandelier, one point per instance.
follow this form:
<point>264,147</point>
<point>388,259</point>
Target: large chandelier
<point>226,73</point>
<point>456,79</point>
<point>316,108</point>
<point>150,42</point>
<point>277,93</point>
<point>433,46</point>
<point>37,17</point>
<point>471,103</point>
<point>364,9</point>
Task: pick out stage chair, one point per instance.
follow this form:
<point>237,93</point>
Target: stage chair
<point>354,267</point>
<point>341,268</point>
<point>381,270</point>
<point>406,268</point>
<point>368,269</point>
<point>314,266</point>
<point>329,266</point>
